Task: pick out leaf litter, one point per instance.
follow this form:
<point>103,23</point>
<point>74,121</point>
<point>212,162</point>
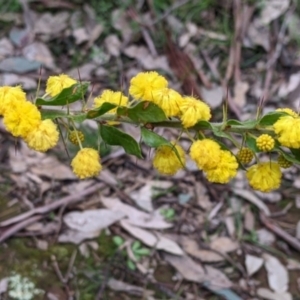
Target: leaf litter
<point>206,240</point>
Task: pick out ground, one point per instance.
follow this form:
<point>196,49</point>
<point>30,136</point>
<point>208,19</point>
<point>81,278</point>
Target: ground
<point>131,233</point>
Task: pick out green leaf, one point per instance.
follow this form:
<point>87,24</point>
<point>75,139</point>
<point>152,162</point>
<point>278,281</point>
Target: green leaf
<point>115,137</point>
<point>131,264</point>
<point>136,245</point>
<point>288,156</point>
<point>153,140</point>
<point>296,153</point>
<point>251,143</point>
<point>118,240</point>
<point>247,124</point>
<point>66,96</point>
<point>142,252</point>
<point>270,118</point>
<point>48,114</point>
<point>143,112</point>
<point>201,125</point>
<point>99,111</point>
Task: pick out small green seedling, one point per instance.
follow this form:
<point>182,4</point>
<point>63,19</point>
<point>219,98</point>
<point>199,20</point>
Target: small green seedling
<point>168,213</point>
<point>137,249</point>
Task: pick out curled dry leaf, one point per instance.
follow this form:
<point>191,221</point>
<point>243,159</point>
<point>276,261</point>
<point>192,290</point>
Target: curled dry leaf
<point>224,244</point>
<point>92,220</point>
<point>14,79</point>
<point>135,216</point>
<point>192,271</point>
<point>76,237</point>
<point>277,274</point>
<point>251,197</point>
<point>51,24</point>
<point>113,45</point>
<point>51,167</point>
<point>273,9</point>
<point>148,61</point>
<point>253,264</point>
<point>267,294</point>
<point>38,51</point>
<point>157,241</point>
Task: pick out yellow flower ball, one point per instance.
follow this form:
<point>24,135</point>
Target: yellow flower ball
<point>288,111</point>
<point>112,97</point>
<point>206,153</point>
<point>265,176</point>
<point>10,95</point>
<point>145,83</point>
<point>44,137</point>
<point>22,119</point>
<point>168,100</point>
<point>245,155</point>
<point>165,160</point>
<point>193,111</point>
<point>86,163</point>
<point>225,170</point>
<point>55,84</point>
<point>265,142</point>
<point>288,130</point>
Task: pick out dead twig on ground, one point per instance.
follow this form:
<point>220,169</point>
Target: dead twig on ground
<point>295,243</point>
<point>274,54</point>
<point>52,206</point>
<point>16,228</point>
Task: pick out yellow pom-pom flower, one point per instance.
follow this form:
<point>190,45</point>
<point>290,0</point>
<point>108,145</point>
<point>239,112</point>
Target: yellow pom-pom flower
<point>112,97</point>
<point>288,111</point>
<point>245,155</point>
<point>265,176</point>
<point>288,130</point>
<point>22,119</point>
<point>144,84</point>
<point>193,111</point>
<point>168,100</point>
<point>165,160</point>
<point>86,163</point>
<point>44,137</point>
<point>283,162</point>
<point>265,142</point>
<point>225,170</point>
<point>55,84</point>
<point>9,96</point>
<point>206,153</point>
<point>73,137</point>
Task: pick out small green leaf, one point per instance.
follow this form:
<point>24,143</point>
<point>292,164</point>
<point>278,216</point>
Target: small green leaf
<point>142,252</point>
<point>201,125</point>
<point>251,143</point>
<point>153,140</point>
<point>296,153</point>
<point>247,124</point>
<point>99,111</point>
<point>136,245</point>
<point>118,240</point>
<point>66,96</point>
<point>270,118</point>
<point>143,112</point>
<point>115,137</point>
<point>131,264</point>
<point>54,114</point>
<point>289,156</point>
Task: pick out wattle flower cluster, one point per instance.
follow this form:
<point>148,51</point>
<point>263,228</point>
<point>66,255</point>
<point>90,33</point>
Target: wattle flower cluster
<point>150,86</point>
<point>23,119</point>
<point>278,131</point>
